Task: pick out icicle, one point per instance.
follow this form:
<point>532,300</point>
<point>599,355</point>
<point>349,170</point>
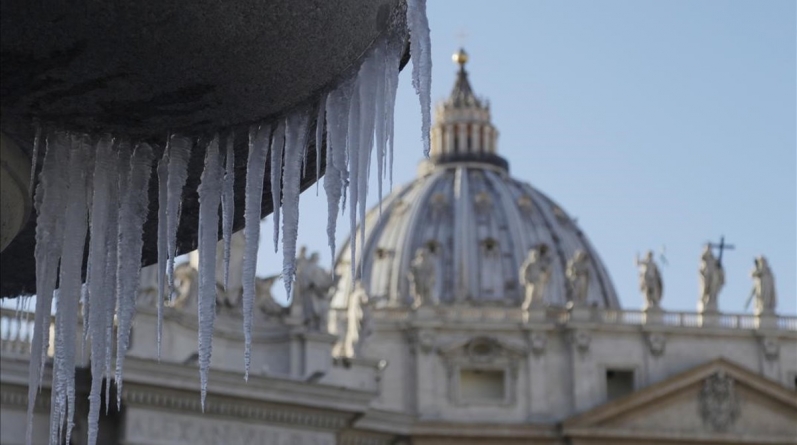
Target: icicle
<point>379,115</point>
<point>277,146</point>
<point>228,206</point>
<point>35,157</point>
<point>295,143</point>
<point>99,296</point>
<point>163,249</point>
<point>209,201</point>
<point>134,203</point>
<point>179,153</point>
<point>421,54</point>
<point>255,172</point>
<point>336,177</point>
<point>74,237</point>
<point>393,59</point>
<point>353,150</point>
<point>369,83</point>
<point>118,181</point>
<point>50,204</point>
<point>319,139</point>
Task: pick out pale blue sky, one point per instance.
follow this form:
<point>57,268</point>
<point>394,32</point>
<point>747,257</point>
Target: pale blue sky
<point>655,123</point>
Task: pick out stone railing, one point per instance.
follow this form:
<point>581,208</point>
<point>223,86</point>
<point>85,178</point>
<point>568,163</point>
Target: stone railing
<point>16,333</point>
<point>562,316</point>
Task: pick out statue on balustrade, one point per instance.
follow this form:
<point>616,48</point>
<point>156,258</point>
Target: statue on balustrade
<point>422,278</point>
<point>311,291</point>
<point>763,288</point>
<point>650,283</point>
<point>264,300</point>
<point>577,274</point>
<point>534,275</point>
<point>712,279</point>
<point>185,287</point>
<point>358,318</point>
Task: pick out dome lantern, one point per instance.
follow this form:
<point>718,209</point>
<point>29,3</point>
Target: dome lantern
<point>462,130</point>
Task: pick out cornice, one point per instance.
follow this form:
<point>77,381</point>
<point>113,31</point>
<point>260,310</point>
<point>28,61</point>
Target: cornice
<point>184,402</point>
<point>601,434</point>
<point>16,396</point>
<point>258,388</point>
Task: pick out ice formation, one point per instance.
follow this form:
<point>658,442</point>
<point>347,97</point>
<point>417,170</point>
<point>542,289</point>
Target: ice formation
<point>228,205</point>
<point>103,194</point>
<point>209,201</point>
<point>259,139</point>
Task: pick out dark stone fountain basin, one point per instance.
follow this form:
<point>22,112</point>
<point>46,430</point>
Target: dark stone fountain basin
<point>144,69</point>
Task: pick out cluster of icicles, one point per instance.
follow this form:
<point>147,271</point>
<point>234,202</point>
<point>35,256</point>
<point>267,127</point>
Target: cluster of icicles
<point>95,187</point>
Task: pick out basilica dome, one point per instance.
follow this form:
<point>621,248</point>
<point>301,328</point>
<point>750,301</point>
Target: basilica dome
<point>475,221</point>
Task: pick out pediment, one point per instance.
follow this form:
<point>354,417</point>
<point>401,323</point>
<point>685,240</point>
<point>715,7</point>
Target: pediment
<point>716,400</point>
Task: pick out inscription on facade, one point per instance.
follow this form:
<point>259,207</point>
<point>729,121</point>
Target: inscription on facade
<point>151,428</point>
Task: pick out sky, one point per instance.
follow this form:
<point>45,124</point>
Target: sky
<point>657,124</point>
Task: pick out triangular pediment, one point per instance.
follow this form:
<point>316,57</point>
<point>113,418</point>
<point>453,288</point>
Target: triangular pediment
<point>714,401</point>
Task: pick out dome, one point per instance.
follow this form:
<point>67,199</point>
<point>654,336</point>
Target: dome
<point>474,220</point>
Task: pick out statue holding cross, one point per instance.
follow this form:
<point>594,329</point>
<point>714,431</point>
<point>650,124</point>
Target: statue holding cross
<point>712,279</point>
<point>712,275</point>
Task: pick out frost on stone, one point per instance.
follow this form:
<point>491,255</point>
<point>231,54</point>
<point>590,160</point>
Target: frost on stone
<point>259,138</point>
<point>209,201</point>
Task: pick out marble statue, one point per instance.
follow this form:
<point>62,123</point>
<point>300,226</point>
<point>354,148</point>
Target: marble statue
<point>534,275</point>
<point>358,321</point>
<point>186,283</point>
<point>264,300</point>
<point>763,288</point>
<point>422,278</point>
<point>712,279</point>
<point>577,274</point>
<point>311,293</point>
<point>650,283</point>
<point>148,286</point>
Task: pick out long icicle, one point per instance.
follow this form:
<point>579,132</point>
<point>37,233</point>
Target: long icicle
<point>421,54</point>
<point>74,237</point>
<point>353,147</point>
<point>99,298</point>
<point>336,177</point>
<point>209,202</point>
<point>295,144</point>
<point>179,153</point>
<point>111,242</point>
<point>50,204</point>
<point>319,139</point>
<point>132,214</point>
<point>163,243</point>
<point>277,147</point>
<point>228,206</point>
<point>259,138</point>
